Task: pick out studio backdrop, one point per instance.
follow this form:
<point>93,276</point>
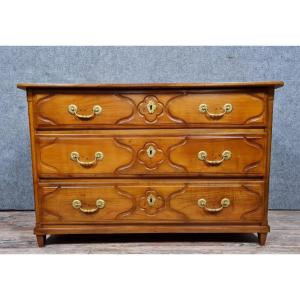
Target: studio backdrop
<point>147,64</point>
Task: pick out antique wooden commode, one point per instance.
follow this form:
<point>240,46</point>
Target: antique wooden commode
<point>142,158</point>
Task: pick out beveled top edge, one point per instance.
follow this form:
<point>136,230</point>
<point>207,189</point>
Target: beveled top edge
<point>187,85</point>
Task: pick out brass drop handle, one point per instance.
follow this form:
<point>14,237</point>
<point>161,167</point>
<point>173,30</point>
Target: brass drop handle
<point>75,156</point>
<point>72,109</point>
<point>227,108</point>
<point>225,202</point>
<point>99,204</point>
<point>202,155</point>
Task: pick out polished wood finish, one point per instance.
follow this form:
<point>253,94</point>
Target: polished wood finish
<point>262,238</point>
<point>149,173</point>
<point>173,109</point>
<point>174,201</point>
<point>126,155</point>
<point>146,86</point>
<point>41,240</point>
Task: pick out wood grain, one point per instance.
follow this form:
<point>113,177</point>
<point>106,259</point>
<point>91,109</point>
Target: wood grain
<point>143,132</point>
<point>174,202</point>
<point>139,86</point>
<point>129,110</point>
<point>174,156</point>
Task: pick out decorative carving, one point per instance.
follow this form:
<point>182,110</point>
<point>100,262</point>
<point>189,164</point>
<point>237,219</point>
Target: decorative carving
<point>131,150</point>
<point>40,116</point>
<point>130,117</point>
<point>150,108</point>
<point>151,156</point>
<point>254,119</point>
<point>258,202</point>
<point>169,114</point>
<point>127,195</point>
<point>170,149</point>
<point>44,143</point>
<point>257,146</point>
<point>151,202</point>
<point>44,194</point>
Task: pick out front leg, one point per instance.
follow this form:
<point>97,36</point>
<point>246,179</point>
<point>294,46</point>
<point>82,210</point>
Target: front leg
<point>41,240</point>
<point>262,237</point>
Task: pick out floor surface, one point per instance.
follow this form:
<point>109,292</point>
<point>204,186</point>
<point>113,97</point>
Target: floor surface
<point>16,236</point>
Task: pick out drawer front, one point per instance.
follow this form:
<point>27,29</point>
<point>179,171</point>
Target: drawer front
<point>152,201</point>
<point>147,154</point>
<point>117,110</point>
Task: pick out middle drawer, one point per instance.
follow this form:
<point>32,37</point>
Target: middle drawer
<point>151,153</point>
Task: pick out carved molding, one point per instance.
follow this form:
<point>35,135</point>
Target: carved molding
<point>259,202</point>
<point>255,118</point>
<point>150,109</point>
<point>251,143</point>
<point>151,161</point>
<point>44,197</point>
<point>158,205</point>
<point>40,116</point>
<point>44,143</point>
<point>127,195</point>
<point>170,149</point>
<point>131,116</point>
<point>127,166</point>
<point>169,114</point>
<point>141,203</point>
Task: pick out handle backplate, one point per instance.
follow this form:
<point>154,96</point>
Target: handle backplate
<point>227,108</point>
<point>73,110</point>
<point>202,155</point>
<point>100,203</point>
<point>225,202</point>
<point>75,156</point>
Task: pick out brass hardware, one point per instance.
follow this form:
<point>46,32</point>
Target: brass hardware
<point>97,109</point>
<point>151,107</point>
<point>225,202</point>
<point>151,151</point>
<point>203,108</point>
<point>86,164</point>
<point>226,155</point>
<point>99,204</point>
<point>151,199</point>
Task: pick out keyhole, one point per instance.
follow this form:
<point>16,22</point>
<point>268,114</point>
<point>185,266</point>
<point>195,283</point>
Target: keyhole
<point>151,151</point>
<point>150,107</point>
<point>151,200</point>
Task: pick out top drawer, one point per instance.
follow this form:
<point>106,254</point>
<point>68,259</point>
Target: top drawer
<point>92,109</point>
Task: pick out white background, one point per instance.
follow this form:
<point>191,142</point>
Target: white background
<point>153,22</point>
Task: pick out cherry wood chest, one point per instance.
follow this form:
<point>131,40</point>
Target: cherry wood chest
<point>151,158</point>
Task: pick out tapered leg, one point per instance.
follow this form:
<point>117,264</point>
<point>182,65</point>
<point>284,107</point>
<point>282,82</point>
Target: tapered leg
<point>262,237</point>
<point>41,240</point>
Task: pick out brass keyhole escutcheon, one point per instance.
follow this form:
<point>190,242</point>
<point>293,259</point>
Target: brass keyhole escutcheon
<point>151,107</point>
<point>151,199</point>
<point>151,151</point>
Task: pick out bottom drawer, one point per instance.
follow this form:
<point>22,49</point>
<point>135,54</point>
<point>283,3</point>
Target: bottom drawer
<point>151,201</point>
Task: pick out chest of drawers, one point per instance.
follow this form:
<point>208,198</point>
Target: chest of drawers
<point>151,158</point>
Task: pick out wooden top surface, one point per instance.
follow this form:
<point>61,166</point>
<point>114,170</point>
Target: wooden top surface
<point>187,85</point>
